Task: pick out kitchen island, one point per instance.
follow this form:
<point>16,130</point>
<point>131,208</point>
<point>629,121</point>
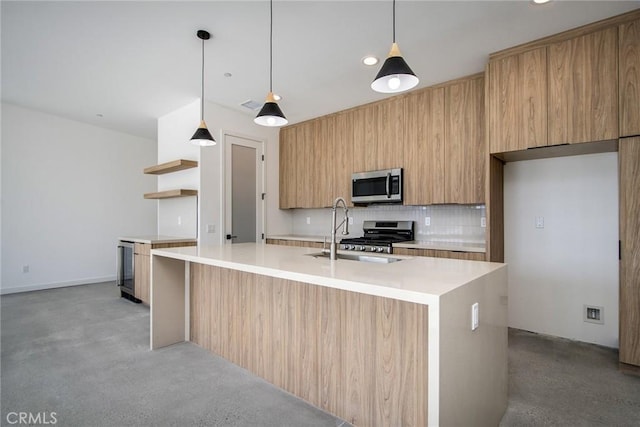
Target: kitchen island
<point>373,343</point>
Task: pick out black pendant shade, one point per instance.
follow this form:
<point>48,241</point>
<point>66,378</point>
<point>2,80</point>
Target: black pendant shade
<point>202,136</point>
<point>395,75</point>
<point>270,114</point>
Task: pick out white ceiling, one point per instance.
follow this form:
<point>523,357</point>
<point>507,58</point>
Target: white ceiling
<point>135,61</point>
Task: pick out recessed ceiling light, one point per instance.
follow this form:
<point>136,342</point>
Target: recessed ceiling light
<point>99,115</point>
<point>370,60</point>
<point>541,1</point>
<point>228,74</point>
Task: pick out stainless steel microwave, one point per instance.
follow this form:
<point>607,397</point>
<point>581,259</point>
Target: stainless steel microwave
<point>382,186</point>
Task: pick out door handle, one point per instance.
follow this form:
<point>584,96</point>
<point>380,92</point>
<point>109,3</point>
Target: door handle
<point>229,237</point>
<point>388,186</point>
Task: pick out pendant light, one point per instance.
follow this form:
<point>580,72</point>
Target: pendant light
<point>202,137</point>
<point>395,75</point>
<point>271,114</point>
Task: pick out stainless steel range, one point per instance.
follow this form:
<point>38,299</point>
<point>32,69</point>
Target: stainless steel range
<point>379,236</point>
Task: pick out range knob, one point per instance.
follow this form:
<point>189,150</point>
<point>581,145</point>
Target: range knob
<point>361,248</point>
<point>380,249</point>
<point>372,249</point>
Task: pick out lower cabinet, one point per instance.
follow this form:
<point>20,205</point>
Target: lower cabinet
<point>298,243</point>
<point>469,256</point>
<point>142,266</point>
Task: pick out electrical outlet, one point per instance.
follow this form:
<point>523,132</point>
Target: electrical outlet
<point>427,221</point>
<point>308,220</point>
<point>475,319</point>
<point>25,268</point>
<point>350,220</point>
<point>539,222</point>
<point>211,228</point>
<point>483,222</point>
<point>593,314</point>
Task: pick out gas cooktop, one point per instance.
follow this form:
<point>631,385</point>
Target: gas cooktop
<point>379,236</point>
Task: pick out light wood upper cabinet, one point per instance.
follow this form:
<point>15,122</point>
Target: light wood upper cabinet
<point>304,172</point>
<point>389,121</point>
<point>342,158</point>
<point>583,87</point>
<point>629,63</point>
<point>378,135</point>
<point>288,161</point>
<point>465,149</point>
<point>364,138</point>
<point>321,161</point>
<point>518,101</point>
<point>424,161</point>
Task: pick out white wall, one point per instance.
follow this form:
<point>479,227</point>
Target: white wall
<point>69,190</point>
<point>178,217</point>
<point>573,260</point>
<point>174,131</point>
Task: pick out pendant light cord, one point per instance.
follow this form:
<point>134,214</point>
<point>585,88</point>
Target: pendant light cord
<point>202,86</point>
<point>394,21</point>
<point>271,46</point>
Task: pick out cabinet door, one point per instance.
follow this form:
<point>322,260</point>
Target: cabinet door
<point>424,147</point>
<point>287,167</point>
<point>365,143</point>
<point>342,150</point>
<point>465,150</point>
<point>388,119</point>
<point>321,163</point>
<point>142,265</point>
<point>583,83</point>
<point>304,171</point>
<point>629,169</point>
<point>629,38</point>
<point>518,101</point>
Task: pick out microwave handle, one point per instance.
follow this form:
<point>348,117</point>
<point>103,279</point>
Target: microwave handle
<point>388,186</point>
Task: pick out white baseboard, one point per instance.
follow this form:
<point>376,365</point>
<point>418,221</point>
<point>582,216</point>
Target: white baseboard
<point>42,286</point>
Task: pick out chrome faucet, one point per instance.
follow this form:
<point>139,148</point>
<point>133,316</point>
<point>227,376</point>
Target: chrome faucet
<point>345,226</point>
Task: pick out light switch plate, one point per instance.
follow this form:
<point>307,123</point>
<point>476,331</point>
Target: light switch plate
<point>539,222</point>
<point>427,220</point>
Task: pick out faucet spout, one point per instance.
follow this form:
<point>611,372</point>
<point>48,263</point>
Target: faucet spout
<point>333,254</point>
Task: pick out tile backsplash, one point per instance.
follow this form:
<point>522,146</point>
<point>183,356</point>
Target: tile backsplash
<point>447,223</point>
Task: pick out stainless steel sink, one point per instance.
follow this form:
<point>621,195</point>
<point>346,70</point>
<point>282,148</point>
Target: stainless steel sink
<point>358,257</point>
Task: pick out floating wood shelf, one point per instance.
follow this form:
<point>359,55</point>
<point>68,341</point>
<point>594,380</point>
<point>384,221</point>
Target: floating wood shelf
<point>173,166</point>
<point>169,194</point>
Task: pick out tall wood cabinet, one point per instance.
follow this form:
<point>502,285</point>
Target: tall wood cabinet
<point>629,169</point>
<point>424,162</point>
<point>583,88</point>
<point>288,157</point>
<point>465,150</point>
<point>629,77</point>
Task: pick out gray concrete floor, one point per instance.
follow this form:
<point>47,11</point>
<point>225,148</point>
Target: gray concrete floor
<point>82,353</point>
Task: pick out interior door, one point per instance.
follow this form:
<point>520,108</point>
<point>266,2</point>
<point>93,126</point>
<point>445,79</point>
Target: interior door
<point>244,210</point>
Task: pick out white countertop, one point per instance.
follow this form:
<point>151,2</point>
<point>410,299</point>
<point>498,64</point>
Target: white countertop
<point>157,238</point>
<point>415,279</point>
<point>414,244</point>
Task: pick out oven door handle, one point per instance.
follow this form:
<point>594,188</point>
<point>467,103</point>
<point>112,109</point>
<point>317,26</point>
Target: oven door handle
<point>388,185</point>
